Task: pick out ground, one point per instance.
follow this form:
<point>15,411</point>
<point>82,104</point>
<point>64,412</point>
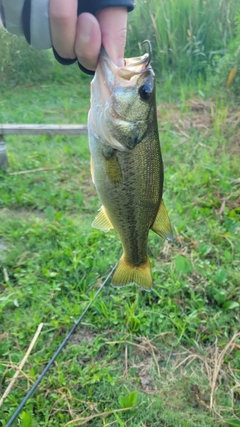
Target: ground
<point>166,358</point>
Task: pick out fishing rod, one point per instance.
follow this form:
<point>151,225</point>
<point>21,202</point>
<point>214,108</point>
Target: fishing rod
<point>62,345</point>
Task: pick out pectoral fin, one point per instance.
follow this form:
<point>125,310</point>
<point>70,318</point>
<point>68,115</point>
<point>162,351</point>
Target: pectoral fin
<point>113,169</point>
<point>102,222</point>
<point>162,224</point>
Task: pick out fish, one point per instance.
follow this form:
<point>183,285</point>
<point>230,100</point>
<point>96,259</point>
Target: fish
<point>126,162</point>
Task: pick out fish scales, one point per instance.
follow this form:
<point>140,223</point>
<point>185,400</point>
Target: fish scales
<point>132,204</point>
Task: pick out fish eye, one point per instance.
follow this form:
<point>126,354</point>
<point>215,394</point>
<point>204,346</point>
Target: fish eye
<point>145,92</point>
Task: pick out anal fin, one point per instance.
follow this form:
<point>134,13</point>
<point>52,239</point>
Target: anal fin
<point>102,222</point>
<point>162,225</point>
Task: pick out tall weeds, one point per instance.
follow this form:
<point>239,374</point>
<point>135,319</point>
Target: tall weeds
<point>188,36</point>
<point>185,34</point>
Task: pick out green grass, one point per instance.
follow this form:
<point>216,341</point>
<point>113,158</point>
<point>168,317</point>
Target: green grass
<point>164,347</point>
<point>187,36</point>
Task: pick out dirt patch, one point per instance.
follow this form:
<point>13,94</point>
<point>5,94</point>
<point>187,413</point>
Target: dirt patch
<point>204,376</point>
<point>85,335</point>
<point>195,115</point>
<point>202,116</point>
<point>144,375</point>
<point>21,213</point>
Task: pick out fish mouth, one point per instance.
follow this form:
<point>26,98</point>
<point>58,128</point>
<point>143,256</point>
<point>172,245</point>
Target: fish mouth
<point>108,75</point>
<point>117,75</point>
<point>107,78</point>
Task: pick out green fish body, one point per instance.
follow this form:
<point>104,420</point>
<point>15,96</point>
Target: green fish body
<point>126,162</point>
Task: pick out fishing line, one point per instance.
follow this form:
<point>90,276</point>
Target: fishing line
<point>35,385</point>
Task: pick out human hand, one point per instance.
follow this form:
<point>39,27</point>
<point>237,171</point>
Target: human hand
<point>83,35</point>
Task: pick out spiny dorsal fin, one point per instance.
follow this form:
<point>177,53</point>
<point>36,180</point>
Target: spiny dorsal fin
<point>102,222</point>
<point>162,224</point>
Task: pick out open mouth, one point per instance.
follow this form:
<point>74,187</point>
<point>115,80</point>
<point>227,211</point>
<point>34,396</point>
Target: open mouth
<point>107,82</point>
<point>108,76</point>
<point>132,66</point>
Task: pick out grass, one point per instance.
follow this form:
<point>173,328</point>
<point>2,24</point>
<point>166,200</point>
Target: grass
<point>166,358</point>
<point>187,36</point>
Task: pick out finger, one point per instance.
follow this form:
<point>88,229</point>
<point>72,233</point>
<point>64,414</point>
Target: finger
<point>63,22</point>
<point>113,25</point>
<point>88,40</point>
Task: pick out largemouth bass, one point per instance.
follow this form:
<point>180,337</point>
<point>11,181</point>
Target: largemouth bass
<point>126,162</point>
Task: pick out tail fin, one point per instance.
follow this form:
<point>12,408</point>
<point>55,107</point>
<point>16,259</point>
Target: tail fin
<point>127,273</point>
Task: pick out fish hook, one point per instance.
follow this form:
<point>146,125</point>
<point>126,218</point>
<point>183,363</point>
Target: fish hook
<point>149,51</point>
<point>146,58</point>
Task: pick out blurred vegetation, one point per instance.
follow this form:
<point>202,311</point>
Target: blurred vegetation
<point>185,35</point>
<point>20,63</point>
<point>189,38</point>
<point>229,64</point>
